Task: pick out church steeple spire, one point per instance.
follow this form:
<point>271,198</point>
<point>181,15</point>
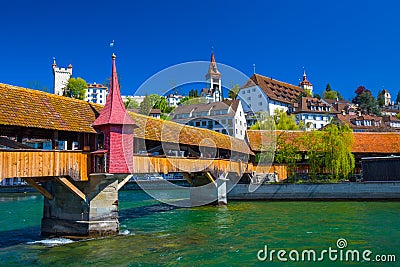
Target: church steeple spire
<point>213,78</point>
<point>305,84</point>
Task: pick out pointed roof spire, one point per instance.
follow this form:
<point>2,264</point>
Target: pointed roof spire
<point>212,69</point>
<point>54,62</point>
<point>305,81</point>
<point>114,111</point>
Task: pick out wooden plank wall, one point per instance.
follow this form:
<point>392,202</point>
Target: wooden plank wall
<point>42,163</point>
<point>144,164</point>
<point>279,168</point>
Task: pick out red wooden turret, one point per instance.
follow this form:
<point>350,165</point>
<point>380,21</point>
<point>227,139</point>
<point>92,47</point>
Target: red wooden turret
<point>117,127</point>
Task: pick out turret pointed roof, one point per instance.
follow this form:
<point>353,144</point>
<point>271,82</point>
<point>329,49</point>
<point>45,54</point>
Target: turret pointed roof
<point>213,69</point>
<point>305,81</point>
<point>114,111</point>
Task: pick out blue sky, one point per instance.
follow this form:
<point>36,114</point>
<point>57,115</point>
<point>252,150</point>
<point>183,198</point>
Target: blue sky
<point>345,43</point>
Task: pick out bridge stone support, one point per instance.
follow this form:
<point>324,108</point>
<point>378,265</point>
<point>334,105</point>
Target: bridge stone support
<point>207,190</point>
<point>82,209</point>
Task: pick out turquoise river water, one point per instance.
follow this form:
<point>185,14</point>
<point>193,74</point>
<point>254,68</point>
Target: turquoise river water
<point>154,234</point>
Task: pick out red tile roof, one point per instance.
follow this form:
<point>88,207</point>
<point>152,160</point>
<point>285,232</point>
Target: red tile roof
<point>306,102</point>
<point>274,89</point>
<point>114,111</point>
<point>364,142</point>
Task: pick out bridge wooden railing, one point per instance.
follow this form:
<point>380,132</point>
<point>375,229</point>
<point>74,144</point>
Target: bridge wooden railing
<point>77,164</point>
<point>44,163</point>
<point>145,164</point>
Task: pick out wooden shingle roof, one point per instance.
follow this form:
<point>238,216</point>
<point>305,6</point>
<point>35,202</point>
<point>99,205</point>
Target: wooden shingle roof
<point>35,109</point>
<point>21,107</point>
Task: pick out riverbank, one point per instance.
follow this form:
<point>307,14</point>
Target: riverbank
<point>324,191</point>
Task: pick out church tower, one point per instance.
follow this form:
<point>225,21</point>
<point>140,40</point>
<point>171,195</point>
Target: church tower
<point>306,85</point>
<point>61,77</point>
<point>213,78</point>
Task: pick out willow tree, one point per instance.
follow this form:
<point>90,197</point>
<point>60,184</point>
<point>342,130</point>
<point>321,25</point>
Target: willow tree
<point>337,141</point>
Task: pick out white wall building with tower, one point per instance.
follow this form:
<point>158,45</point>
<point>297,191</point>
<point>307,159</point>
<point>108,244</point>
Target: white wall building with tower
<point>61,77</point>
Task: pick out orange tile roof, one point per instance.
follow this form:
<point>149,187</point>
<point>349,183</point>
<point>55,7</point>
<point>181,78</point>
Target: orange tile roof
<point>364,142</point>
<point>35,109</point>
<point>31,108</point>
<point>274,89</point>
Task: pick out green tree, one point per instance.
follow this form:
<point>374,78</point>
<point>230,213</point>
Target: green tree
<point>398,97</point>
<point>283,121</point>
<point>337,140</point>
<point>366,102</point>
<point>287,152</point>
<point>330,150</point>
<point>317,96</point>
<point>148,103</point>
<point>330,95</point>
<point>76,88</point>
<point>381,98</point>
<point>131,103</point>
<point>328,87</point>
<point>193,93</point>
<point>234,92</point>
<point>279,121</point>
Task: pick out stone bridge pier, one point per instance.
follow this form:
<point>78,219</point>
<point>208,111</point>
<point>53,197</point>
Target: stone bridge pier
<point>82,209</point>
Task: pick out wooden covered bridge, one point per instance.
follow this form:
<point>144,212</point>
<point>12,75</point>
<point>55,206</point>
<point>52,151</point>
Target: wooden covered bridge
<point>96,149</point>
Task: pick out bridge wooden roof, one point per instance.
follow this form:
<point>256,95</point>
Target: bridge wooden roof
<point>22,107</point>
<point>364,142</point>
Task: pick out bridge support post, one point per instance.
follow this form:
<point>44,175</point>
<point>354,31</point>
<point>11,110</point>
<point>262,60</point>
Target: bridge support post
<point>82,209</point>
<point>206,190</point>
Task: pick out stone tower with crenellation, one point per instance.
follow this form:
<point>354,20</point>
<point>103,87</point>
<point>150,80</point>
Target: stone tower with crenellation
<point>61,77</point>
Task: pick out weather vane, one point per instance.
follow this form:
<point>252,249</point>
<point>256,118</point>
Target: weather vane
<point>112,46</point>
<point>254,68</point>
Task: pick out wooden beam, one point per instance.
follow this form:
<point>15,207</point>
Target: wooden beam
<point>39,188</point>
<point>209,176</point>
<point>124,181</point>
<point>71,187</point>
<point>187,178</point>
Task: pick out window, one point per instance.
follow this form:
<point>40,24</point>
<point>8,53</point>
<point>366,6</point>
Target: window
<point>197,123</point>
<point>260,95</point>
<point>240,123</point>
<point>260,103</point>
<point>240,113</point>
<point>203,123</point>
<point>253,90</point>
<point>230,132</point>
<point>224,131</point>
<point>241,132</point>
<point>236,131</point>
<point>223,121</point>
<point>230,122</point>
<point>248,91</point>
<point>248,98</point>
<point>243,92</point>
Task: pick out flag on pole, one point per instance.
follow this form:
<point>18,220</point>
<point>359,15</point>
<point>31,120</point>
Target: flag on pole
<point>112,44</point>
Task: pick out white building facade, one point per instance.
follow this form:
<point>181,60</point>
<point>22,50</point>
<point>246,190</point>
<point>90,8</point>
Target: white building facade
<point>264,95</point>
<point>225,117</point>
<point>96,93</point>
